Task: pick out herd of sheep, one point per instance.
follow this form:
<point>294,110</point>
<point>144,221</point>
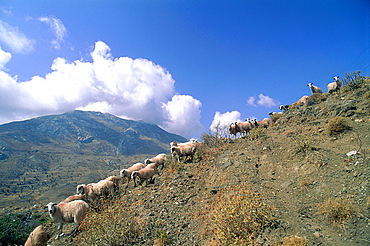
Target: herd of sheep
<point>74,208</point>
<point>244,127</point>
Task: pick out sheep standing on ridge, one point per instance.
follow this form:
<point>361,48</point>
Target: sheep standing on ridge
<point>38,237</point>
<point>264,123</point>
<point>159,160</point>
<point>183,151</point>
<point>233,129</point>
<point>127,172</point>
<point>94,191</point>
<point>334,86</point>
<point>245,127</point>
<point>314,89</point>
<point>146,173</point>
<point>115,180</point>
<point>70,212</point>
<point>74,197</point>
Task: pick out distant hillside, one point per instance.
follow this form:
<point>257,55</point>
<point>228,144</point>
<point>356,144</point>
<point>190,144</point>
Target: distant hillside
<point>61,151</point>
<point>89,132</point>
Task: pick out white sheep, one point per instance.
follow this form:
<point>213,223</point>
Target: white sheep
<point>314,89</point>
<point>264,123</point>
<point>183,150</point>
<point>159,160</point>
<point>95,190</point>
<point>74,197</point>
<point>284,107</point>
<point>233,128</point>
<point>38,237</point>
<point>274,116</point>
<point>146,173</point>
<point>127,172</point>
<point>67,212</point>
<point>116,180</point>
<point>334,86</point>
<point>245,127</point>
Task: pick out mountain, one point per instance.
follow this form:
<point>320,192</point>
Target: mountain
<point>76,147</point>
<point>81,130</point>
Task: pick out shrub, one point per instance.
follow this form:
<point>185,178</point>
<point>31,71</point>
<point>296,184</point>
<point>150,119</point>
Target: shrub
<point>337,125</point>
<point>114,225</point>
<point>238,216</point>
<point>161,238</point>
<point>316,98</point>
<point>294,241</point>
<point>353,80</point>
<point>304,143</point>
<point>336,211</point>
<point>256,133</point>
<point>13,231</point>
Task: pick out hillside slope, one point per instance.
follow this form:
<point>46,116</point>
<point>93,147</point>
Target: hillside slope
<point>297,182</point>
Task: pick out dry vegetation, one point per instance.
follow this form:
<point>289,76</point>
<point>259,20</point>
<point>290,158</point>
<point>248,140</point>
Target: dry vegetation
<point>290,184</point>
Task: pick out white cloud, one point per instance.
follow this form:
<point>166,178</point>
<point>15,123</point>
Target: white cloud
<point>58,29</point>
<point>4,58</point>
<point>135,89</point>
<point>14,39</point>
<point>251,101</point>
<point>221,121</point>
<point>183,115</point>
<point>263,100</point>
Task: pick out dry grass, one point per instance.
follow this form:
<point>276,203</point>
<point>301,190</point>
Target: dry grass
<point>237,216</point>
<point>337,125</point>
<point>336,211</point>
<point>120,224</point>
<point>294,241</point>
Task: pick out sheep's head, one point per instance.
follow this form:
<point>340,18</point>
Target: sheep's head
<point>147,161</point>
<point>122,173</point>
<point>309,84</point>
<point>80,189</point>
<point>51,207</point>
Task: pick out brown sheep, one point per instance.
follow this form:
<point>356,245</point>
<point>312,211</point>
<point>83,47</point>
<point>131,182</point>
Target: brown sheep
<point>38,237</point>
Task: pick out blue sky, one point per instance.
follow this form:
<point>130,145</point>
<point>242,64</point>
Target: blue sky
<point>183,65</point>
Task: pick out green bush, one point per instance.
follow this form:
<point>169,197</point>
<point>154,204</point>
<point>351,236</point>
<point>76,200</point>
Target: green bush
<point>13,230</point>
<point>353,80</point>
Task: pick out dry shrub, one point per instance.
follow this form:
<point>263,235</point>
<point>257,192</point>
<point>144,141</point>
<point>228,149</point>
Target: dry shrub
<point>256,133</point>
<point>237,217</point>
<point>336,211</point>
<point>294,241</point>
<point>315,98</point>
<point>337,125</point>
<point>161,238</point>
<point>304,143</point>
<point>114,225</point>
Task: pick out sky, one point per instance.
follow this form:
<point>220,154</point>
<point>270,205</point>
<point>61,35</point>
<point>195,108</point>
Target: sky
<point>184,65</point>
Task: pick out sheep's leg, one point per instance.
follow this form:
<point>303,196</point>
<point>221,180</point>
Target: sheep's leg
<point>60,228</point>
<point>74,230</point>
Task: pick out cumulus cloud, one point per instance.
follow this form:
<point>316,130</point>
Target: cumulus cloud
<point>221,121</point>
<point>135,89</point>
<point>14,39</point>
<point>58,29</point>
<point>263,100</point>
<point>4,58</point>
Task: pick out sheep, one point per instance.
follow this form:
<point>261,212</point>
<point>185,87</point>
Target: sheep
<point>146,173</point>
<point>274,116</point>
<point>67,212</point>
<point>159,160</point>
<point>314,89</point>
<point>264,123</point>
<point>183,150</point>
<point>233,128</point>
<point>116,180</point>
<point>245,127</point>
<point>74,197</point>
<point>284,107</point>
<point>127,172</point>
<point>95,190</point>
<point>38,237</point>
<point>334,86</point>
